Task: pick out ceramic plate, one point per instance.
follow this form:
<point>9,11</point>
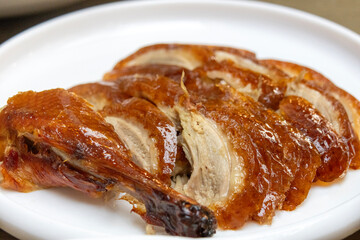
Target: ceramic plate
<point>80,47</point>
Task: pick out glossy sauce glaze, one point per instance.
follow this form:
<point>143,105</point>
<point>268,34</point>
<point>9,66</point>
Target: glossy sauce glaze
<point>280,127</point>
<point>274,89</point>
<point>67,125</point>
<point>299,155</point>
<point>350,103</point>
<point>140,112</point>
<point>248,135</point>
<point>333,151</point>
<point>196,54</point>
<point>242,144</point>
<point>269,92</point>
<point>336,117</point>
<point>281,146</point>
<point>267,81</point>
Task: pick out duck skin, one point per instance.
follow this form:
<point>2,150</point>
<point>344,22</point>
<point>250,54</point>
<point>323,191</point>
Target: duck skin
<point>149,135</point>
<point>291,149</point>
<point>292,161</point>
<point>269,82</point>
<point>349,102</point>
<point>54,139</point>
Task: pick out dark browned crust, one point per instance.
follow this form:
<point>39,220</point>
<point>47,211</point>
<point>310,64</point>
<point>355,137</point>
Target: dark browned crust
<point>243,120</point>
<point>59,119</point>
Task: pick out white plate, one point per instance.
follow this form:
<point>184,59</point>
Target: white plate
<point>82,46</point>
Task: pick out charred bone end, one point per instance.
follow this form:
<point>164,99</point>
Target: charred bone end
<point>180,217</point>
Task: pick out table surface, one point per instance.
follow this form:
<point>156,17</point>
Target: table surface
<point>344,12</point>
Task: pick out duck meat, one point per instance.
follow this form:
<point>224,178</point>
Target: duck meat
<point>54,138</point>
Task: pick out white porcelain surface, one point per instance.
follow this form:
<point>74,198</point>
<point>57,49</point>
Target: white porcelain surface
<point>82,46</point>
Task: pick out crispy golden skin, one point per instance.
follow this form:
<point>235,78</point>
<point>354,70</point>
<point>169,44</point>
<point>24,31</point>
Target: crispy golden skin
<point>53,138</point>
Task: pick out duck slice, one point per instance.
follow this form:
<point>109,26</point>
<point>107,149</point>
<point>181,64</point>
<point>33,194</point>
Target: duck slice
<point>264,82</point>
<point>281,162</point>
<point>350,103</point>
<point>225,176</point>
<point>53,138</point>
<point>149,135</point>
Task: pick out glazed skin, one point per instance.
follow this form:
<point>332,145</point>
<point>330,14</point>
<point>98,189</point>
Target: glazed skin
<point>195,135</point>
<point>348,102</point>
<point>53,138</point>
<point>271,84</point>
<point>268,82</point>
<point>233,211</point>
<point>332,149</point>
<point>160,131</point>
<point>290,158</point>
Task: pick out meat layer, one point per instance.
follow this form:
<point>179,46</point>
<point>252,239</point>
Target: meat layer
<point>350,103</point>
<point>231,112</point>
<point>149,135</point>
<point>53,138</point>
<point>263,81</point>
<point>242,136</point>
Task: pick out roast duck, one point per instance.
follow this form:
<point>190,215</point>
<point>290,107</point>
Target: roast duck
<point>197,137</point>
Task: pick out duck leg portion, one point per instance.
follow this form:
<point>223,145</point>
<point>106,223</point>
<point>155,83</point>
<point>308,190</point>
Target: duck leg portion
<point>53,138</point>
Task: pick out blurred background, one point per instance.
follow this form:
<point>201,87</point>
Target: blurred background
<point>18,15</point>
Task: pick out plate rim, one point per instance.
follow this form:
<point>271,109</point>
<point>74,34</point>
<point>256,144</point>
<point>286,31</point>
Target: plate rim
<point>142,3</point>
